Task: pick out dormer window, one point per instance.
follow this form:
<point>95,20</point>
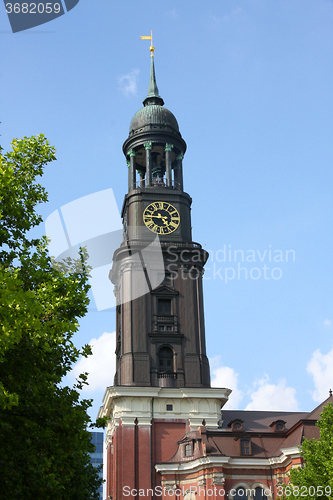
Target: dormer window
<point>236,425</point>
<point>245,446</point>
<point>278,425</point>
<point>188,450</point>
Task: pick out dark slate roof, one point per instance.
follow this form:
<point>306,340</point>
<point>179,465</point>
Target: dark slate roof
<point>315,414</point>
<point>260,421</point>
<point>265,441</point>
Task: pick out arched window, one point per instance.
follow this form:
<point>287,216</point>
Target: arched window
<point>240,494</point>
<point>165,356</point>
<point>236,425</point>
<point>260,493</point>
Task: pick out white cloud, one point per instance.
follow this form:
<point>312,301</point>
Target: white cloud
<point>327,322</point>
<point>320,367</point>
<point>272,397</point>
<point>128,83</point>
<point>224,376</point>
<point>101,365</point>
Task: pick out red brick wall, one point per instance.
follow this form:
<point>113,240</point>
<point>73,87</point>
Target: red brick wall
<point>166,435</point>
<point>144,458</point>
<point>131,462</point>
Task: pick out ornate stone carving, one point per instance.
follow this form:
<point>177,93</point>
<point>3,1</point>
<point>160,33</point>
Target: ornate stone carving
<point>218,478</point>
<point>170,486</point>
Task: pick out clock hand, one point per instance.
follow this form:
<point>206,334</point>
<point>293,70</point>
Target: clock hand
<point>162,217</point>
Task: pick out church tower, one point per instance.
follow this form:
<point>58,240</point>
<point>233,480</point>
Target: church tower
<point>162,383</point>
<point>160,334</point>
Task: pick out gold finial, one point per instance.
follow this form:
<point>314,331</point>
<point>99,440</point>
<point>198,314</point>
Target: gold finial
<point>151,48</point>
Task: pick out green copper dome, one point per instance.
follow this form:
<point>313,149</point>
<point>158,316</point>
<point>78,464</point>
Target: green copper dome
<point>153,116</point>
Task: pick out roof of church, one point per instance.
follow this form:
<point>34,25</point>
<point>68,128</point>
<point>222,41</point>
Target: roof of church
<point>257,427</point>
<point>315,414</point>
<point>260,421</point>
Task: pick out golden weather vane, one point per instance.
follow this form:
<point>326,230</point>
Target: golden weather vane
<point>151,48</point>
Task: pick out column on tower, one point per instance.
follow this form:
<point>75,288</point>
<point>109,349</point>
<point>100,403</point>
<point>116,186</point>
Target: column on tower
<point>129,175</point>
<point>168,148</point>
<point>178,172</point>
<point>148,148</point>
<point>132,173</point>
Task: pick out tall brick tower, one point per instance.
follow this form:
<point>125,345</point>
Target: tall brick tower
<point>162,384</point>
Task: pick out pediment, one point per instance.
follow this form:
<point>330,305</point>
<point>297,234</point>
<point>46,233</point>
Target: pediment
<point>164,291</point>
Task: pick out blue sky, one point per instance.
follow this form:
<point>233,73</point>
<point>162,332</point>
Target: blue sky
<point>250,82</point>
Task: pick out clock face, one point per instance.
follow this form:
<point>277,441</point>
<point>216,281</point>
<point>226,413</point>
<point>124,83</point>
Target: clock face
<point>161,217</point>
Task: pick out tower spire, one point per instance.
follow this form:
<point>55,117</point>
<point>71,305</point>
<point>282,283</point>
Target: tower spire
<point>152,89</point>
<point>153,96</point>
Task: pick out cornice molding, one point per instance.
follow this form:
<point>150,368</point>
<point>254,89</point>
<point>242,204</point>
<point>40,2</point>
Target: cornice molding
<point>123,404</point>
<point>228,462</point>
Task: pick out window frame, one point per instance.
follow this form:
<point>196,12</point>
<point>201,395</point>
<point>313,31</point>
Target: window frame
<point>188,450</point>
<point>160,310</point>
<point>245,446</point>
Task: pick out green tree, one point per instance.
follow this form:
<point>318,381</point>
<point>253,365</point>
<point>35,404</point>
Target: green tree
<point>315,479</point>
<point>44,441</point>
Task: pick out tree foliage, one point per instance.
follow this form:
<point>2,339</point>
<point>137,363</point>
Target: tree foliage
<point>315,479</point>
<point>44,441</point>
